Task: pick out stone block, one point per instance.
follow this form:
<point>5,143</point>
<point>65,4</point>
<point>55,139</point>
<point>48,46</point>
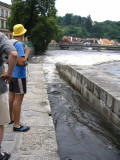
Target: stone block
<point>41,106</point>
<point>84,81</point>
<point>73,72</point>
<point>90,85</point>
<point>103,95</point>
<point>83,91</point>
<point>109,100</point>
<point>9,137</point>
<point>68,75</point>
<point>79,76</point>
<point>102,105</point>
<point>39,121</point>
<point>78,85</point>
<point>106,111</point>
<point>41,139</point>
<point>96,91</point>
<point>95,101</point>
<point>116,106</point>
<point>89,96</point>
<point>115,119</point>
<point>73,80</point>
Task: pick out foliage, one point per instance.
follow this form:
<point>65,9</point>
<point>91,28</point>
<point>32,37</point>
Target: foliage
<point>40,32</point>
<point>77,26</point>
<point>88,24</point>
<point>68,19</point>
<point>38,17</point>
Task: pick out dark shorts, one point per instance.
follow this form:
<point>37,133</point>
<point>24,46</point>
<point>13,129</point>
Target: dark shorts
<point>17,85</point>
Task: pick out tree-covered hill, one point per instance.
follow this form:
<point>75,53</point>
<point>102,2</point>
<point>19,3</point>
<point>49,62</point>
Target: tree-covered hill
<point>84,27</point>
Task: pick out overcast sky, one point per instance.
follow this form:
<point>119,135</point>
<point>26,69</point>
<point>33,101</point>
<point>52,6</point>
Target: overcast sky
<point>99,10</point>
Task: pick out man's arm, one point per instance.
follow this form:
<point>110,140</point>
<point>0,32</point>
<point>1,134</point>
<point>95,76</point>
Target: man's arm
<point>21,60</point>
<point>12,62</point>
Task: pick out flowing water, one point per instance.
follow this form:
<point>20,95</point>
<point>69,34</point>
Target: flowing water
<point>82,132</point>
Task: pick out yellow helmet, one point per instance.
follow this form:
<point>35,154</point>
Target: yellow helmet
<point>18,30</point>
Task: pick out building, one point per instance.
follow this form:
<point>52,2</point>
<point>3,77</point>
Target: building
<point>69,39</point>
<point>4,14</point>
<point>107,42</point>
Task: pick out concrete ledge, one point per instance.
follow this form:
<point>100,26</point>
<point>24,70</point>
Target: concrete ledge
<point>100,88</point>
<point>39,143</point>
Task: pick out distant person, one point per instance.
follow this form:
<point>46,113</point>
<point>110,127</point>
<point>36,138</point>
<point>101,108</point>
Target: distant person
<point>17,86</point>
<point>6,48</point>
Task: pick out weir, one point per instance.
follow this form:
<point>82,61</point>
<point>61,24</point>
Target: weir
<point>100,88</point>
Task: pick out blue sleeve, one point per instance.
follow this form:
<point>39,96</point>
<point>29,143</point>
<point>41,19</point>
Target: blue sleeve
<point>20,48</point>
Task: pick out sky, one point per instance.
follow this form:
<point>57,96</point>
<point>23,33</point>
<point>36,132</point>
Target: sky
<point>99,10</point>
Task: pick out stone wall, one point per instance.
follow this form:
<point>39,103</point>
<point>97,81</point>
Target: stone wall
<point>97,86</point>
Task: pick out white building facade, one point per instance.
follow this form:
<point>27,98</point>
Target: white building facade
<point>4,14</point>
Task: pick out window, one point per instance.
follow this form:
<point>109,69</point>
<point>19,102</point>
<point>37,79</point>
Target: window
<point>2,24</point>
<point>6,25</point>
<point>2,13</point>
<point>6,14</point>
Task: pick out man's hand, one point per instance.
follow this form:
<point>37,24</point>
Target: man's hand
<point>26,52</point>
<point>26,48</point>
<point>7,77</point>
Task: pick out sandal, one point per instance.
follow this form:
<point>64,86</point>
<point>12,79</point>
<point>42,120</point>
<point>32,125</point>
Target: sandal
<point>5,155</point>
<point>21,129</point>
<point>11,122</point>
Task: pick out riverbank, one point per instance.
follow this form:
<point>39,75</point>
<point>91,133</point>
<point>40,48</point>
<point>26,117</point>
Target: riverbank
<point>99,87</point>
<point>40,141</point>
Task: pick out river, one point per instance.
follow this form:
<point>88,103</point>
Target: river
<point>82,132</point>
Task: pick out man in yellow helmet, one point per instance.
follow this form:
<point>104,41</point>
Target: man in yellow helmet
<point>17,86</point>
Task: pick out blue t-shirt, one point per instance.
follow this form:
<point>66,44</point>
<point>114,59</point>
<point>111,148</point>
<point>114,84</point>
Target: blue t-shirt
<point>19,71</point>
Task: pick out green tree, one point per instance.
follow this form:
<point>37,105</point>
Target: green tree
<point>38,17</point>
<point>74,20</point>
<point>79,20</point>
<point>43,32</point>
<point>68,19</point>
<point>88,24</point>
<point>97,31</point>
<point>60,20</point>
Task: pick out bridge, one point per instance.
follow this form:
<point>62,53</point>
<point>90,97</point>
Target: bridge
<point>80,46</point>
<point>76,46</point>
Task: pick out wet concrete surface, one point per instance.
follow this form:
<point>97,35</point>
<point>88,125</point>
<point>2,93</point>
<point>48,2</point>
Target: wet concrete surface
<point>82,132</point>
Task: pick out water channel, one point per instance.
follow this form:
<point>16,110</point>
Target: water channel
<point>82,132</point>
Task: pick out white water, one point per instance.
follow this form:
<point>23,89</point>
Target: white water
<point>82,57</point>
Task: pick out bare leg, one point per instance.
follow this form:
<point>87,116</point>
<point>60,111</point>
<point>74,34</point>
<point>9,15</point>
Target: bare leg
<point>11,102</point>
<point>17,109</point>
<point>1,133</point>
<point>4,155</point>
